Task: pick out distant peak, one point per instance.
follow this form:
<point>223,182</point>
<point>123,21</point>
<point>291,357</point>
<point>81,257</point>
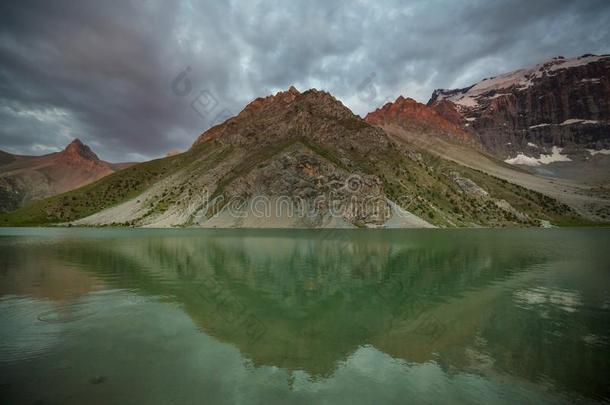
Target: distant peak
<point>76,142</point>
<point>78,149</point>
<point>293,90</point>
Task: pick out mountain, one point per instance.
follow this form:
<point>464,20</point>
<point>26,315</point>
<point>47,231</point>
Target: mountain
<point>441,130</point>
<point>27,178</point>
<point>421,121</point>
<point>299,160</point>
<point>537,115</point>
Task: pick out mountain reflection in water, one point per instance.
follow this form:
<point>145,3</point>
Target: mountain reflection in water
<point>327,316</point>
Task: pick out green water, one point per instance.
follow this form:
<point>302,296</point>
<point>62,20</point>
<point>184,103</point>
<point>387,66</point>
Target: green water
<point>311,317</point>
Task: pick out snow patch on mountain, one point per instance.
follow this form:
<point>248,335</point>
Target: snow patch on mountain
<point>524,160</point>
<point>539,126</point>
<point>594,152</point>
<point>555,156</point>
<point>520,79</point>
<point>573,121</point>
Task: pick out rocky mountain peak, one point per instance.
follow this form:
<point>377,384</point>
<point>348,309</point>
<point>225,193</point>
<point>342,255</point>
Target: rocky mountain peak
<point>411,115</point>
<point>75,144</point>
<point>287,95</point>
<point>405,101</point>
<point>520,80</point>
<point>405,108</point>
<point>281,97</point>
<point>77,149</point>
<point>287,113</point>
<point>562,102</point>
<point>322,102</point>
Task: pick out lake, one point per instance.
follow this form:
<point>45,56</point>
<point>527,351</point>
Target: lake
<point>295,316</point>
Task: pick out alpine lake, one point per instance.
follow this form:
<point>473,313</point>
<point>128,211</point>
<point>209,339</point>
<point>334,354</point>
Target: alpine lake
<point>108,315</point>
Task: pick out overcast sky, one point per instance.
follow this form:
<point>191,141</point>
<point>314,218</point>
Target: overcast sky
<point>108,71</point>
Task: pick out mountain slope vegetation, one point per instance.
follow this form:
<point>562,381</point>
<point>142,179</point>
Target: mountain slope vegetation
<point>329,168</point>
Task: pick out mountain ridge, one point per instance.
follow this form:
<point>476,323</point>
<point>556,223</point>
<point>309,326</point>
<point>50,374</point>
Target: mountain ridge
<point>421,119</point>
<point>563,103</point>
<point>307,150</point>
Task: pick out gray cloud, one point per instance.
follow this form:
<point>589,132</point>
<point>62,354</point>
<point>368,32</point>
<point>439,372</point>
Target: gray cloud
<point>103,71</point>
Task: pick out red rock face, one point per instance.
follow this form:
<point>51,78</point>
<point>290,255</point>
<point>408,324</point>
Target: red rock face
<point>563,102</point>
<point>409,114</point>
<point>448,110</point>
<point>76,166</point>
<point>77,150</point>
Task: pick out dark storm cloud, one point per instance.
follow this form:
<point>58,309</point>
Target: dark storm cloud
<point>103,71</point>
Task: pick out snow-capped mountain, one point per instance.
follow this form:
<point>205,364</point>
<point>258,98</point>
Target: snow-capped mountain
<point>559,106</point>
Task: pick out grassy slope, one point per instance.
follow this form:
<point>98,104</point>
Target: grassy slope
<point>79,203</point>
<point>104,193</point>
<point>431,194</point>
<point>423,183</point>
